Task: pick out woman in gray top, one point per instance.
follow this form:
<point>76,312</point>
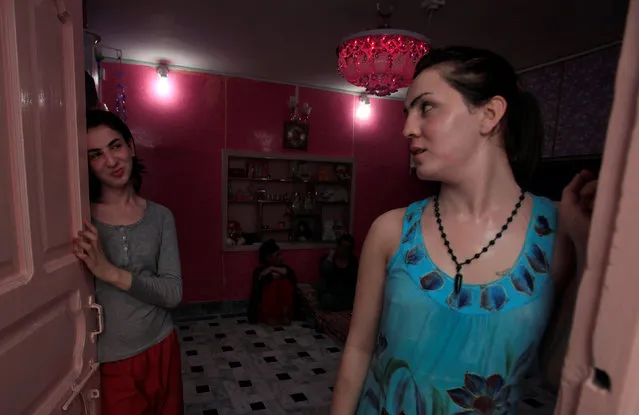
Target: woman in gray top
<point>131,248</point>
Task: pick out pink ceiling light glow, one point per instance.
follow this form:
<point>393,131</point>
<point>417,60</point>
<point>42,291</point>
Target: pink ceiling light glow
<point>382,60</point>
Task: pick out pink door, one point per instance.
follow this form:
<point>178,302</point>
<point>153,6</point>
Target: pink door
<point>47,350</point>
<point>601,369</point>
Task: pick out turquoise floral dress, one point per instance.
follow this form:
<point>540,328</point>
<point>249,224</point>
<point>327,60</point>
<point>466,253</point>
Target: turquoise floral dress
<point>441,353</point>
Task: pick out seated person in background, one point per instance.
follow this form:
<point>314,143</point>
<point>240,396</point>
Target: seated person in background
<point>338,269</point>
<point>273,290</point>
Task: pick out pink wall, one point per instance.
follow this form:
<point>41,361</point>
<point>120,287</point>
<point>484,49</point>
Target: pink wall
<point>180,137</point>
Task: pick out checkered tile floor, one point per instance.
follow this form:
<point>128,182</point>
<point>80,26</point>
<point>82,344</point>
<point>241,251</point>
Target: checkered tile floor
<point>231,367</point>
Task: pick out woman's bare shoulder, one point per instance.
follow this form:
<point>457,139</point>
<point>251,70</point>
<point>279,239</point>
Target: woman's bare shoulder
<point>386,231</point>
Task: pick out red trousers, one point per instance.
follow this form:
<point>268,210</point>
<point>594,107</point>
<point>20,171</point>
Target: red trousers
<point>277,300</point>
<point>149,383</point>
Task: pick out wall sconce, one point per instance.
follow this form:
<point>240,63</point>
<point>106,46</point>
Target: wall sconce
<point>162,86</point>
<point>363,111</point>
<point>297,114</point>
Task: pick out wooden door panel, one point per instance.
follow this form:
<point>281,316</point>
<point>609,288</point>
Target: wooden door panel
<point>47,355</point>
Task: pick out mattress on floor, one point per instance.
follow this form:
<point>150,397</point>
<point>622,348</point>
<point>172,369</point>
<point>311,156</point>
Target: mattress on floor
<point>333,323</point>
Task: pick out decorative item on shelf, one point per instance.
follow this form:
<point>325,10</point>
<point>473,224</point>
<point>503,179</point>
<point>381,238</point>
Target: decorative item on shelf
<point>281,225</point>
<point>382,60</point>
<point>338,229</point>
<point>326,195</point>
<point>234,234</point>
<point>323,173</point>
<point>302,232</point>
<point>237,173</point>
<point>340,195</point>
<point>309,202</point>
<point>296,203</point>
<point>341,172</point>
<point>328,233</point>
<point>302,171</point>
<point>260,194</point>
<point>335,194</point>
<point>257,169</point>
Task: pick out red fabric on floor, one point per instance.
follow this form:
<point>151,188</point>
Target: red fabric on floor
<point>149,383</point>
<point>277,300</point>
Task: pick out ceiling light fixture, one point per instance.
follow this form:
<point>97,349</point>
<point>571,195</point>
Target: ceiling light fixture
<point>364,108</point>
<point>162,86</point>
<point>381,60</point>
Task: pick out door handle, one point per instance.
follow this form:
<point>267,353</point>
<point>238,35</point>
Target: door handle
<point>98,310</point>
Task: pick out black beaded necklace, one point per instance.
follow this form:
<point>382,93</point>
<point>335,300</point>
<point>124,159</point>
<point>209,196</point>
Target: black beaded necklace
<point>459,265</point>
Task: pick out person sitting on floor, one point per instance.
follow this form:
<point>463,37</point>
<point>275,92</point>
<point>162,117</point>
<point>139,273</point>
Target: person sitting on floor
<point>273,292</point>
<point>338,269</point>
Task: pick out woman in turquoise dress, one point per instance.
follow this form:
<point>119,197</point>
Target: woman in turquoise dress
<point>454,292</point>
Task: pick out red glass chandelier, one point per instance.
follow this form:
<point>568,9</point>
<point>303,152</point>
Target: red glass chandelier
<point>381,60</point>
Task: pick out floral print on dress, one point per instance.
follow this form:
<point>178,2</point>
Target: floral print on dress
<point>537,259</point>
<point>523,280</point>
<point>460,300</point>
<point>542,226</point>
<point>415,255</point>
<point>491,395</point>
<point>410,234</point>
<point>493,297</point>
<point>482,396</point>
<point>432,281</point>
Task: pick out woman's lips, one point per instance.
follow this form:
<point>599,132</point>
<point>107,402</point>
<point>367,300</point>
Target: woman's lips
<point>118,173</point>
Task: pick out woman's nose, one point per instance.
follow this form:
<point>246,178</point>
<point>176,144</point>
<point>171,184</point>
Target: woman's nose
<point>411,127</point>
<point>109,159</point>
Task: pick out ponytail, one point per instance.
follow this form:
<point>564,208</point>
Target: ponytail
<point>523,136</point>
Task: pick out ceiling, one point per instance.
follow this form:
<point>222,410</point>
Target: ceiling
<point>295,41</point>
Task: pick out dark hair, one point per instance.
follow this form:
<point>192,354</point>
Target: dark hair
<point>479,75</point>
<point>97,118</point>
<point>90,92</point>
<point>267,249</point>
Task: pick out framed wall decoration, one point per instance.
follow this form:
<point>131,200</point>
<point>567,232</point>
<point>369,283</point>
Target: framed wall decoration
<point>295,135</point>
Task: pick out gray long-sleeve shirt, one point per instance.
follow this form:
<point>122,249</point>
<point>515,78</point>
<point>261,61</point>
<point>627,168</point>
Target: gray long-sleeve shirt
<point>137,319</point>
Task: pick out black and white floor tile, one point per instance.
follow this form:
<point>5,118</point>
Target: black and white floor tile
<point>231,367</point>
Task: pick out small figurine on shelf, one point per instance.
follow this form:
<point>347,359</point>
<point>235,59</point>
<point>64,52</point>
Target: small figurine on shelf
<point>301,171</point>
<point>234,234</point>
<point>328,233</point>
<point>257,169</point>
<point>296,202</point>
<point>309,202</point>
<point>260,194</point>
<point>341,172</point>
<point>303,232</point>
<point>323,173</point>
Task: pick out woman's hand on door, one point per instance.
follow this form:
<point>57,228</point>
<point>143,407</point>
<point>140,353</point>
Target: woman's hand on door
<point>575,209</point>
<point>87,247</point>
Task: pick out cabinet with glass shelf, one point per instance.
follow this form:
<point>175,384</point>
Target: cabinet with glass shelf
<point>300,201</point>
